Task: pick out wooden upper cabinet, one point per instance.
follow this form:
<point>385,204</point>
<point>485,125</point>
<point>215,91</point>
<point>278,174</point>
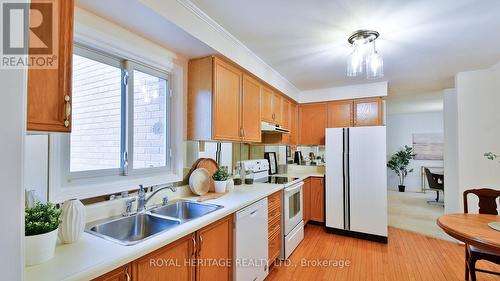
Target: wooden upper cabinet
<point>266,105</point>
<point>215,243</point>
<point>171,261</point>
<point>317,199</point>
<point>214,100</point>
<point>340,114</point>
<point>278,108</point>
<point>368,112</point>
<point>120,274</point>
<point>226,105</point>
<point>294,119</point>
<point>49,90</point>
<point>250,109</point>
<point>312,123</point>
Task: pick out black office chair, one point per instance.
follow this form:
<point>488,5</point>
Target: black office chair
<point>436,183</point>
<point>487,205</point>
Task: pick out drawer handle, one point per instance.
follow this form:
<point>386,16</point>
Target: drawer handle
<point>194,245</point>
<point>67,100</point>
<point>127,275</point>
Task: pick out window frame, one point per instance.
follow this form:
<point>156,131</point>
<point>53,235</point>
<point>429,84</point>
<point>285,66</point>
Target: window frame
<point>130,67</point>
<point>62,142</point>
<point>113,61</point>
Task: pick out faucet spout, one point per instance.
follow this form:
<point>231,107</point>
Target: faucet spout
<point>142,200</point>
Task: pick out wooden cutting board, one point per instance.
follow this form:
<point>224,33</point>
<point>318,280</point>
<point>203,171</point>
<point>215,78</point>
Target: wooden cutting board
<point>207,163</point>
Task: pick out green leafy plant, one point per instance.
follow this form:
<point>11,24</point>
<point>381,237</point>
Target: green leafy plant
<point>220,175</point>
<point>492,156</point>
<point>399,163</point>
<point>41,218</point>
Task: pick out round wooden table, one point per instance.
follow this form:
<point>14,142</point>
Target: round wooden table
<point>472,229</point>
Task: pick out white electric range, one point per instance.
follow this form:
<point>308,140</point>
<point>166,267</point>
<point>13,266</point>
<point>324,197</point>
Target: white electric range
<point>292,225</point>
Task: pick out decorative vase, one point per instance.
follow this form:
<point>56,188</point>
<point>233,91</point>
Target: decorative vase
<point>73,221</point>
<point>401,188</point>
<point>40,248</point>
<point>220,186</point>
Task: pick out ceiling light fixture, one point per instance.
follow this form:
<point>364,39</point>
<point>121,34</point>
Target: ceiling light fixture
<point>365,55</point>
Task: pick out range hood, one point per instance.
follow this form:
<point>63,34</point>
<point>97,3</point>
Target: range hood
<point>272,128</point>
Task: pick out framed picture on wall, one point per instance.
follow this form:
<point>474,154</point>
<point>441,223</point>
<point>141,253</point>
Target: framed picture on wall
<point>273,163</point>
<point>428,146</point>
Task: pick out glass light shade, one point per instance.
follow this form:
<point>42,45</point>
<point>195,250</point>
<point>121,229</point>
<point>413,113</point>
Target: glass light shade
<point>374,66</point>
<point>355,63</point>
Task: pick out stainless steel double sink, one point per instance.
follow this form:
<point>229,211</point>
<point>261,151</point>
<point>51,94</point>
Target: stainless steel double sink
<point>138,227</point>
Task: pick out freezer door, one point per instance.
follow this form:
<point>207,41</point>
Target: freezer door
<point>368,180</point>
<point>334,197</point>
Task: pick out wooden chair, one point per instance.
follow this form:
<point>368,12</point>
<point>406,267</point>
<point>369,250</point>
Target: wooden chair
<point>434,183</point>
<point>487,205</point>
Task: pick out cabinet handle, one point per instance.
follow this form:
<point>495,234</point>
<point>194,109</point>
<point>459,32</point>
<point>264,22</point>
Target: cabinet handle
<point>201,244</point>
<point>127,275</point>
<point>68,110</point>
<point>274,116</point>
<point>194,245</point>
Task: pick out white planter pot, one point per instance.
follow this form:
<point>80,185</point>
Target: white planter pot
<point>40,248</point>
<point>73,221</point>
<point>220,186</point>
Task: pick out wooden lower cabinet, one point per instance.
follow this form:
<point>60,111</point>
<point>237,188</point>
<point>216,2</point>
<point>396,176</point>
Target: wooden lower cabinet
<point>317,203</point>
<point>215,243</point>
<point>172,261</point>
<point>204,255</point>
<point>306,200</point>
<point>120,274</point>
<point>274,206</point>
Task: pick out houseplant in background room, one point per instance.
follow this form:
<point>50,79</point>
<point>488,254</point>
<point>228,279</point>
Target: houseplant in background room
<point>40,230</point>
<point>220,180</point>
<point>399,164</point>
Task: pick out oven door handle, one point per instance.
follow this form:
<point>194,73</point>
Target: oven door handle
<point>290,190</point>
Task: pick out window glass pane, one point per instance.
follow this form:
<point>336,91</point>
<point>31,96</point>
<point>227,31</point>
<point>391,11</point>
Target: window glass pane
<point>150,118</point>
<point>96,116</point>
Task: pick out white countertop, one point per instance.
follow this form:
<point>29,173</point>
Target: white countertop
<point>92,256</point>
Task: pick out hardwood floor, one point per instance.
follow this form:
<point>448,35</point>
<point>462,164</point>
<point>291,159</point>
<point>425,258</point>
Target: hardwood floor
<point>407,256</point>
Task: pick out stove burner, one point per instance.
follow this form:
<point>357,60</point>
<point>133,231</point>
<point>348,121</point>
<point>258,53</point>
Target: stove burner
<point>276,179</point>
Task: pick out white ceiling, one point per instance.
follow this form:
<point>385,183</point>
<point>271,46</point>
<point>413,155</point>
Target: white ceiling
<point>136,17</point>
<point>424,42</point>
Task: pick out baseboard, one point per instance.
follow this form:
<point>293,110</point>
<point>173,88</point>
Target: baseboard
<point>316,223</point>
<point>359,235</point>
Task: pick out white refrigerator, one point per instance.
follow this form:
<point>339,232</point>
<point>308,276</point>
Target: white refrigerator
<point>356,182</point>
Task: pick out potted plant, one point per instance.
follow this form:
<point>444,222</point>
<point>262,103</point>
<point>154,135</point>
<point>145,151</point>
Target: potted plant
<point>399,164</point>
<point>220,179</point>
<point>40,230</point>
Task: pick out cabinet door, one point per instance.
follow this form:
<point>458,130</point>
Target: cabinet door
<point>312,123</point>
<point>368,112</point>
<point>49,90</point>
<point>293,123</point>
<point>340,114</point>
<point>306,198</point>
<point>226,104</point>
<point>119,274</point>
<point>317,200</point>
<point>277,109</point>
<point>171,262</point>
<point>215,243</point>
<point>285,120</point>
<point>250,109</point>
<point>266,105</point>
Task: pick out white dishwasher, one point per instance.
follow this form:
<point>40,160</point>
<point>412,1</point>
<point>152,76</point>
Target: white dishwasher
<point>251,244</point>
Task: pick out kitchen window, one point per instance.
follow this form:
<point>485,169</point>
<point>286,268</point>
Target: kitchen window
<point>120,120</point>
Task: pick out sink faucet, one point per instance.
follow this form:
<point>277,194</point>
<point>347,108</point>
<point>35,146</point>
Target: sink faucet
<point>141,196</point>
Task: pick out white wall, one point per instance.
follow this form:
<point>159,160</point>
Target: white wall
<point>378,89</point>
<point>36,164</point>
<point>12,112</point>
<point>451,192</point>
<point>400,128</point>
<point>478,104</point>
